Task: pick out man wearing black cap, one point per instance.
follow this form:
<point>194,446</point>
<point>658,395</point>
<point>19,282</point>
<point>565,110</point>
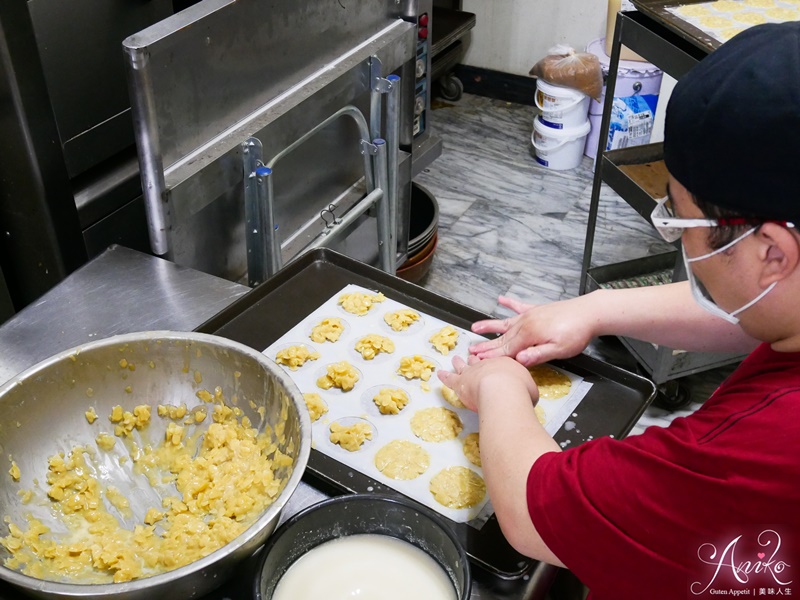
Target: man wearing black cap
<point>711,504</point>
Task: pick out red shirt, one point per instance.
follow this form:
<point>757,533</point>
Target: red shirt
<point>641,517</point>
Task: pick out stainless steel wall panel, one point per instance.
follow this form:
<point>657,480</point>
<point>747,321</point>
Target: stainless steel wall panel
<point>249,54</point>
<point>40,242</point>
<point>79,44</point>
<point>209,78</point>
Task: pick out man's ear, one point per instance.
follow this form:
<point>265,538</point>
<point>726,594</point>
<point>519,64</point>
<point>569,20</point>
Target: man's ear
<point>780,253</point>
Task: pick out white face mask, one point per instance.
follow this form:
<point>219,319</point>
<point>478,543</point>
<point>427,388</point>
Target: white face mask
<point>700,293</point>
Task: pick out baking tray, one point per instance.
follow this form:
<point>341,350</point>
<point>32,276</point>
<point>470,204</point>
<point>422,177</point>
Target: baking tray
<point>657,10</point>
<point>612,407</point>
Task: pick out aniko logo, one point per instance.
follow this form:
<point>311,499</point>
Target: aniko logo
<point>750,569</point>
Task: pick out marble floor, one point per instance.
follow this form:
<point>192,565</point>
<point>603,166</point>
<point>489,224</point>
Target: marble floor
<point>510,226</point>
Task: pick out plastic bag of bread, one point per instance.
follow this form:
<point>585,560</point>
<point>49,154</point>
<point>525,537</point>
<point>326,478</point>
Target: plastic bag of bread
<point>577,70</point>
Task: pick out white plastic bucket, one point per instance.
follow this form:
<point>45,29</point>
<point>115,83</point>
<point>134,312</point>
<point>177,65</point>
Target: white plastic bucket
<point>633,78</point>
<point>559,149</point>
<point>561,107</point>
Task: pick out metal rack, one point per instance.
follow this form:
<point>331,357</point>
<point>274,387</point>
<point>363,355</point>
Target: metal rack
<point>450,25</point>
<point>674,51</point>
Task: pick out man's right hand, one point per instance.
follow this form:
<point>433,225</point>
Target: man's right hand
<point>539,333</point>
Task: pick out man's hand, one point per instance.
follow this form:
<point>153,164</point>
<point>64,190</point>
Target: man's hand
<point>539,333</point>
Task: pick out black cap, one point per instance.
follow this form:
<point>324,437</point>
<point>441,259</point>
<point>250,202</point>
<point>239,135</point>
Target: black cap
<point>732,129</point>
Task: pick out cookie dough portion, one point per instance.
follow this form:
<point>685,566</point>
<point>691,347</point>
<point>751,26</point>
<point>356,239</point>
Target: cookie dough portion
<point>416,367</point>
<point>472,449</point>
<point>327,330</point>
<point>445,339</point>
<point>341,375</point>
<point>693,10</point>
<point>316,406</point>
<point>373,344</point>
<point>760,3</point>
<point>784,14</point>
<point>729,5</point>
<point>539,412</point>
<point>390,401</point>
<point>359,303</point>
<point>458,487</point>
<point>450,395</point>
<point>436,424</point>
<point>351,437</point>
<point>295,356</point>
<point>402,460</point>
<point>730,32</point>
<point>714,22</point>
<point>552,384</point>
<point>402,319</point>
<point>751,18</point>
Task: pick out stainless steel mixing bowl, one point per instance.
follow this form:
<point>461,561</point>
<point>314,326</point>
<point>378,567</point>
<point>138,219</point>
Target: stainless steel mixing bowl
<point>42,413</point>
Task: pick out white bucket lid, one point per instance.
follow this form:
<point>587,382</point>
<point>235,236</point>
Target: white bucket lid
<point>598,48</point>
<point>559,91</point>
<point>567,134</point>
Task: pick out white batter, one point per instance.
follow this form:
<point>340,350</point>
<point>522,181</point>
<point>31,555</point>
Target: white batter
<point>365,567</point>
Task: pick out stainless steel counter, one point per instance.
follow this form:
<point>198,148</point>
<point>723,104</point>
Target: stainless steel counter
<point>122,291</point>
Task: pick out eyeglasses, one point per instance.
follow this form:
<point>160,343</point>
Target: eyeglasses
<point>671,227</point>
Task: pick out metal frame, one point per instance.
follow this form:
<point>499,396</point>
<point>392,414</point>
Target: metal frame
<point>264,257</point>
<point>675,55</point>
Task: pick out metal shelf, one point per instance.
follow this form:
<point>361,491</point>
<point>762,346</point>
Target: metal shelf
<point>675,53</point>
<point>448,26</point>
<point>634,192</point>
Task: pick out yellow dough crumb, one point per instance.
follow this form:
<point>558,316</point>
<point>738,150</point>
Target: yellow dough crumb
<point>472,449</point>
<point>359,303</point>
<point>449,395</point>
<point>373,344</point>
<point>129,421</point>
<point>390,402</point>
<point>458,487</point>
<point>295,356</point>
<point>174,412</point>
<point>350,437</point>
<point>152,516</point>
<point>402,319</point>
<point>445,339</point>
<point>341,375</point>
<point>436,424</point>
<point>552,384</point>
<point>316,406</point>
<point>402,460</point>
<point>416,367</point>
<point>105,441</point>
<point>14,471</point>
<point>91,415</point>
<point>327,330</point>
<point>540,415</point>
